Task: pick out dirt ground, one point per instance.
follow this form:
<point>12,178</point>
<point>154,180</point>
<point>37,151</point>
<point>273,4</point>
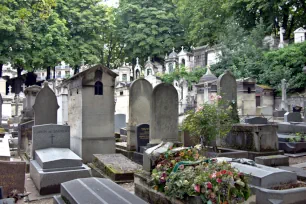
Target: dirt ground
<point>297,160</point>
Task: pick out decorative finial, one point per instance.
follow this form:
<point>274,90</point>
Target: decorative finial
<point>137,60</point>
<point>208,72</point>
<point>46,83</point>
<point>182,48</point>
<point>173,49</point>
<point>149,59</point>
<point>10,90</point>
<point>166,56</point>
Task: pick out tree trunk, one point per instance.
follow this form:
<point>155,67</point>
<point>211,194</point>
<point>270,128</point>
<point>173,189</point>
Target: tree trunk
<point>48,73</point>
<point>290,27</point>
<point>1,66</point>
<point>109,52</point>
<point>54,72</point>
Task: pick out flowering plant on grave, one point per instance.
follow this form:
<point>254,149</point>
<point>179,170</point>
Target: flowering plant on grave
<point>214,182</point>
<point>210,120</point>
<point>167,161</point>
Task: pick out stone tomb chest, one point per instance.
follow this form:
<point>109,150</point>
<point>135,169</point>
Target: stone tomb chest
<point>54,162</point>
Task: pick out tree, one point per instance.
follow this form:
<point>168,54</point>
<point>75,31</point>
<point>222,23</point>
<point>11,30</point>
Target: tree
<point>149,28</point>
<point>203,21</point>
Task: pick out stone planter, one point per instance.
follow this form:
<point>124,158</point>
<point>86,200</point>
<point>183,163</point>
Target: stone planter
<point>289,196</point>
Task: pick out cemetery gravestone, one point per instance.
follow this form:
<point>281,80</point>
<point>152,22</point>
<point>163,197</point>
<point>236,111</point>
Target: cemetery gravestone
<point>143,135</point>
<point>45,107</point>
<point>164,114</point>
<point>293,117</point>
<point>139,109</point>
<point>45,136</point>
<point>5,153</point>
<point>25,136</point>
<point>227,88</point>
<point>120,122</point>
<point>12,176</point>
<point>30,95</point>
<point>256,120</point>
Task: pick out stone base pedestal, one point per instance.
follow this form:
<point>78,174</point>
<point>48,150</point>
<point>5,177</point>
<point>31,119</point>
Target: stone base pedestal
<point>49,181</point>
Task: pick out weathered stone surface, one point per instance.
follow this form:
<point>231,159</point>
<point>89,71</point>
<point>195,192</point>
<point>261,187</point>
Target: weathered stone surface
<point>7,201</point>
<point>263,176</point>
<point>164,114</point>
<point>143,135</point>
<point>4,149</point>
<point>25,136</point>
<point>95,190</point>
<point>256,120</point>
<point>45,107</point>
<point>279,114</point>
<point>116,166</point>
<point>12,176</point>
<point>120,122</point>
<point>273,160</point>
<point>293,117</point>
<point>52,158</point>
<point>289,196</point>
<point>300,172</point>
<point>30,95</point>
<point>286,127</point>
<point>259,138</point>
<point>46,136</point>
<point>48,181</point>
<point>140,97</point>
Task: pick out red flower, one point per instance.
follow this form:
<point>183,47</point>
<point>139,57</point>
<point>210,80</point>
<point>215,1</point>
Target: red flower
<point>219,180</point>
<point>240,174</point>
<point>197,188</point>
<point>223,172</point>
<point>209,185</point>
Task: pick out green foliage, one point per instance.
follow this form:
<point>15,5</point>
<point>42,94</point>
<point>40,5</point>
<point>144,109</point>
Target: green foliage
<point>149,28</point>
<point>191,77</point>
<point>286,63</point>
<point>210,121</point>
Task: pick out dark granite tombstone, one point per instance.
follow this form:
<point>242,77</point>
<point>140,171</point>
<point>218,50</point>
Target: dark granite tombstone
<point>12,176</point>
<point>256,120</point>
<point>1,192</point>
<point>279,113</point>
<point>143,134</point>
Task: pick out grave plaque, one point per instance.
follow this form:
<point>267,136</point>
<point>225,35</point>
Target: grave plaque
<point>143,134</point>
<point>12,176</point>
<point>47,136</point>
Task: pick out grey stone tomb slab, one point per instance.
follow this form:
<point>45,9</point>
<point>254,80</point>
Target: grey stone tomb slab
<point>139,109</point>
<point>46,136</point>
<point>256,120</point>
<point>52,158</point>
<point>273,160</point>
<point>95,191</point>
<point>293,117</point>
<point>164,114</point>
<point>120,122</point>
<point>264,176</point>
<point>54,166</point>
<point>45,107</point>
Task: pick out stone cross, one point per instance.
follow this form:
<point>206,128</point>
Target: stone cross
<point>82,62</point>
<point>149,59</point>
<point>23,87</point>
<point>284,105</point>
<point>10,90</point>
<point>173,49</point>
<point>182,48</point>
<point>137,60</point>
<point>281,37</point>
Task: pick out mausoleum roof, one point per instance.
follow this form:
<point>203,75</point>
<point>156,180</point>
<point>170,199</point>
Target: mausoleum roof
<point>107,70</point>
<point>209,76</point>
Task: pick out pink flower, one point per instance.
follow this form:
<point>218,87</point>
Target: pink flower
<point>219,180</point>
<point>209,185</point>
<point>197,188</point>
<point>181,167</point>
<point>219,97</point>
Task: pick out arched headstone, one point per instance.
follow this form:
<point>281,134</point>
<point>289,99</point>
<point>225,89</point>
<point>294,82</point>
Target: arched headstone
<point>45,106</point>
<point>164,114</point>
<point>139,109</point>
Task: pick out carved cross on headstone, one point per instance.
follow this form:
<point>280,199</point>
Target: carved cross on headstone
<point>52,136</point>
